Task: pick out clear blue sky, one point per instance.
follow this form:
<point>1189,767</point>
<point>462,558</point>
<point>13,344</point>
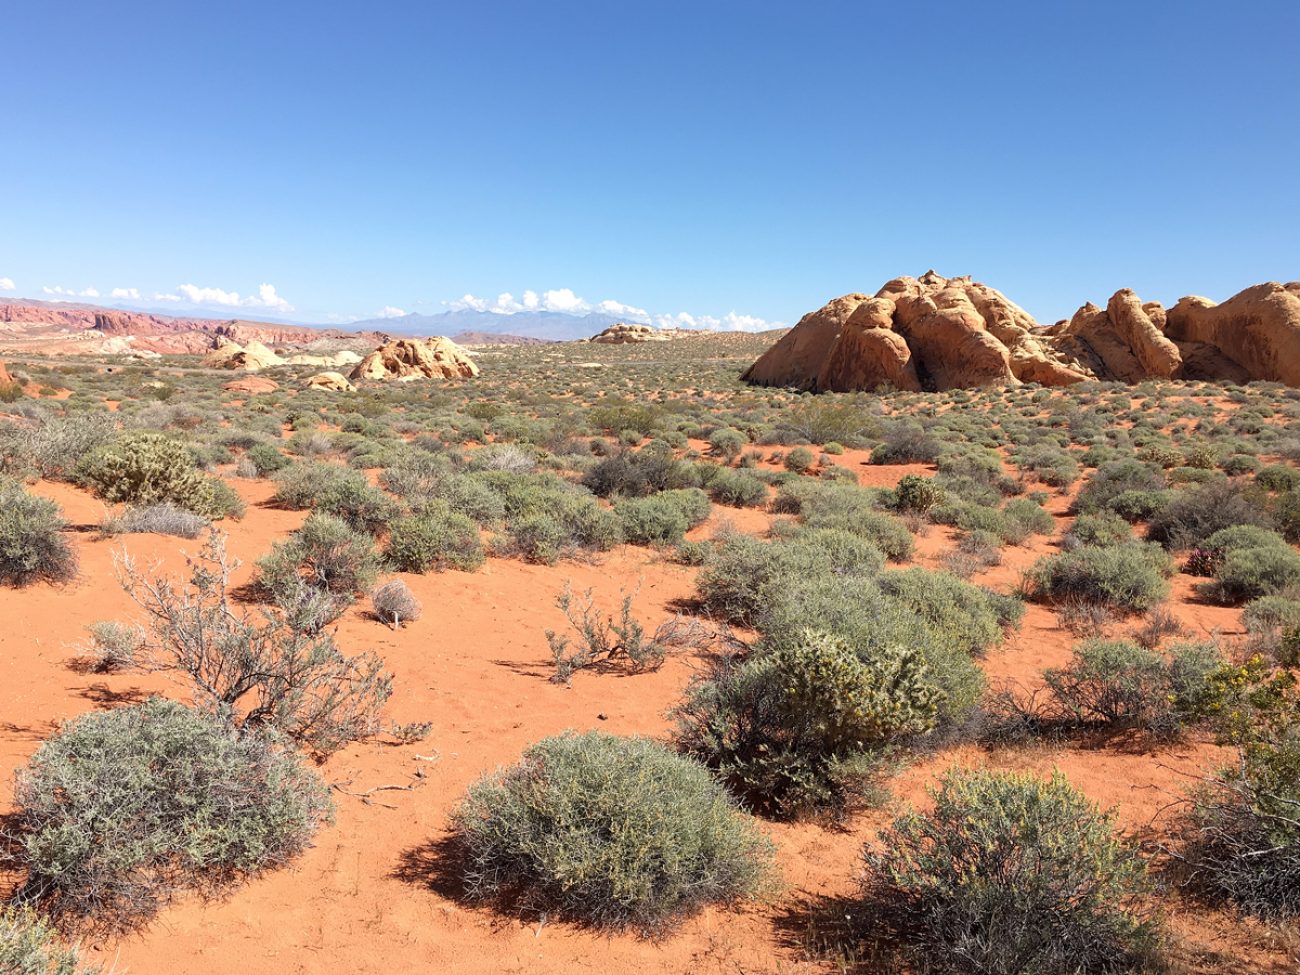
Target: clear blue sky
<point>699,156</point>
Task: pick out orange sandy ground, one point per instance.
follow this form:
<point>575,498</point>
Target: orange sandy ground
<point>366,899</point>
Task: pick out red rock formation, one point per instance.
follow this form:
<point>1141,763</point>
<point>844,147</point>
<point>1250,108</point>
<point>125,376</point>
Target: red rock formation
<point>1256,331</point>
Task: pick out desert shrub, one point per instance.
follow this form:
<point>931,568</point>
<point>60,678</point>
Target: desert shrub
<point>333,490</point>
<point>1243,834</point>
<point>1115,478</point>
<point>29,945</point>
<point>906,442</point>
<point>155,519</point>
<point>1010,874</point>
<point>1050,465</point>
<point>435,538</point>
<point>634,474</point>
<point>395,604</point>
<point>266,459</point>
<point>743,575</point>
<point>616,832</point>
<point>1119,685</point>
<point>1278,477</point>
<point>804,726</point>
<point>604,640</point>
<point>150,468</point>
<point>52,446</point>
<point>256,671</point>
<point>1249,572</point>
<point>799,460</point>
<point>1273,623</point>
<point>1128,578</point>
<point>663,518</point>
<point>554,524</point>
<point>114,646</point>
<point>325,555</point>
<point>727,443</point>
<point>852,509</point>
<point>916,493</point>
<point>1101,528</point>
<point>32,546</point>
<point>1194,515</point>
<point>1135,506</point>
<point>121,809</point>
<point>971,616</point>
<point>736,488</point>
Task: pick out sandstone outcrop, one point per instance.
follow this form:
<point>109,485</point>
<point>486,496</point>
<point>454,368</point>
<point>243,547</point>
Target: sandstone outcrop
<point>915,333</point>
<point>250,357</point>
<point>411,359</point>
<point>628,334</point>
<point>5,378</point>
<point>251,385</point>
<point>937,333</point>
<point>338,360</point>
<point>330,381</point>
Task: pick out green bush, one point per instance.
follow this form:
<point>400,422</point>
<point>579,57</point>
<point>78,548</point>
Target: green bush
<point>616,832</point>
<point>1129,578</point>
<point>799,460</point>
<point>1254,571</point>
<point>150,468</point>
<point>32,545</point>
<point>969,616</point>
<point>635,474</point>
<point>663,518</point>
<point>1192,516</point>
<point>736,488</point>
<point>29,945</point>
<point>435,538</point>
<point>1101,529</point>
<point>1115,478</point>
<point>326,556</point>
<point>1009,875</point>
<point>266,459</point>
<point>804,726</point>
<point>727,443</point>
<point>119,810</point>
<point>916,493</point>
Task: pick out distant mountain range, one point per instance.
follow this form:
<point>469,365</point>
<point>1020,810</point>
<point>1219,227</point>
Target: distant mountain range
<point>547,326</point>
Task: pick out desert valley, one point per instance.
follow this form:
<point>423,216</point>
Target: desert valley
<point>917,637</point>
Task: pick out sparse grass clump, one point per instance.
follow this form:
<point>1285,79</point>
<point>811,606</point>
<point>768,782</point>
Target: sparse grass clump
<point>121,810</point>
<point>29,945</point>
<point>1010,874</point>
<point>155,519</point>
<point>614,832</point>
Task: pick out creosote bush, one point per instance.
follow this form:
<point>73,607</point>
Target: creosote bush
<point>614,832</point>
<point>1010,874</point>
<point>120,810</point>
<point>32,546</point>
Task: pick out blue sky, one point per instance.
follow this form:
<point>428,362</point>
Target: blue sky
<point>678,157</point>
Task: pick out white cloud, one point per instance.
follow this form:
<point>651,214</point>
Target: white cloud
<point>7,284</point>
<point>266,297</point>
<point>132,293</point>
<point>730,322</point>
<point>69,292</point>
<point>389,311</point>
<point>565,301</point>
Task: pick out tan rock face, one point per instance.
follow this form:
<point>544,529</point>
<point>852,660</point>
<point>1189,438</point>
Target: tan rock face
<point>1256,331</point>
<point>626,334</point>
<point>410,359</point>
<point>5,378</point>
<point>250,357</point>
<point>930,332</point>
<point>251,385</point>
<point>336,361</point>
<point>942,333</point>
<point>331,381</point>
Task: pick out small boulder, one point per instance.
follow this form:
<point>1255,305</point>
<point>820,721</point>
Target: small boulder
<point>411,359</point>
<point>330,381</point>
